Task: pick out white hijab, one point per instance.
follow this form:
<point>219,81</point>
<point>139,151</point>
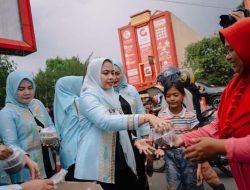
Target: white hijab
<point>93,84</point>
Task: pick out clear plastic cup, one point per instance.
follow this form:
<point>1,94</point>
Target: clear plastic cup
<point>15,162</point>
<point>167,138</point>
<point>49,136</point>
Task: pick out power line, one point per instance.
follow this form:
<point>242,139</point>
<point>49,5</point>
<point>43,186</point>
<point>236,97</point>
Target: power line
<point>196,4</point>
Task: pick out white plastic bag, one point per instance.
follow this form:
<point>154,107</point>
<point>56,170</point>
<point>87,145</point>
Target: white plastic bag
<point>167,138</point>
<point>59,177</point>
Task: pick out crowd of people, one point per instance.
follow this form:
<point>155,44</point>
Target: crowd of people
<point>105,134</point>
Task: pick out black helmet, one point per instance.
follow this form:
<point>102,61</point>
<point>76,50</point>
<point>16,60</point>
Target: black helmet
<point>168,75</point>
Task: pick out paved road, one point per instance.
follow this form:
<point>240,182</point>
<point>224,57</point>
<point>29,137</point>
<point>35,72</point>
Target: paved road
<point>157,182</point>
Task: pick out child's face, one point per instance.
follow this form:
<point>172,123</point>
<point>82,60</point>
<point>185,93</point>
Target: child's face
<point>174,98</point>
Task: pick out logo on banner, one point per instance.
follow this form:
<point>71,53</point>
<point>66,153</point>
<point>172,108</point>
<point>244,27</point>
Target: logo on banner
<point>126,34</point>
<point>143,32</point>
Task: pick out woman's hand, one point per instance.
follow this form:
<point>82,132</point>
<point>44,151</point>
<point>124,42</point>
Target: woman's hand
<point>178,141</point>
<point>145,146</point>
<point>5,152</point>
<point>159,153</point>
<point>39,184</point>
<point>160,125</point>
<point>204,148</point>
<point>33,167</point>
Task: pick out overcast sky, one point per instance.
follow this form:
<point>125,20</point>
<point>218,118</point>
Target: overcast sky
<point>67,28</point>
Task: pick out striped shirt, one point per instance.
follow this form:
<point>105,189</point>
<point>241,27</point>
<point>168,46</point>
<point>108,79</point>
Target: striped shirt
<point>183,122</point>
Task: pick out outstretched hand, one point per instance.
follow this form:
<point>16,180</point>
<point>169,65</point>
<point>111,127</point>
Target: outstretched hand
<point>178,141</point>
<point>204,148</point>
<point>145,146</point>
<point>159,153</point>
<point>160,125</point>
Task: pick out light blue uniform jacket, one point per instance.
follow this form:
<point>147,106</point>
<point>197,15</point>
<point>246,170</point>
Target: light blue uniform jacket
<point>96,153</point>
<point>18,128</point>
<point>99,123</point>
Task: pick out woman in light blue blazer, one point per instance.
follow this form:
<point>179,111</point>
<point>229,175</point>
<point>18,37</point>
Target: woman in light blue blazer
<point>19,121</point>
<point>67,93</point>
<point>102,120</point>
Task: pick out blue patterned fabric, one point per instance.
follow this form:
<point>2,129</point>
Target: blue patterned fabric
<point>18,128</point>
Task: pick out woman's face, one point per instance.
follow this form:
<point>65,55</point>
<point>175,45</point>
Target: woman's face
<point>25,92</point>
<point>107,75</point>
<point>234,59</point>
<point>118,76</point>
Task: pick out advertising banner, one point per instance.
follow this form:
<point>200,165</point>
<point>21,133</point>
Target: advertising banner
<point>163,43</point>
<point>131,59</point>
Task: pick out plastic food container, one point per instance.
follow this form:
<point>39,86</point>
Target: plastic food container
<point>167,138</point>
<point>49,136</point>
<point>15,162</point>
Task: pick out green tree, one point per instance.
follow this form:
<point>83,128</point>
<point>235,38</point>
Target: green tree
<point>207,59</point>
<point>6,66</point>
<point>241,6</point>
<point>55,69</point>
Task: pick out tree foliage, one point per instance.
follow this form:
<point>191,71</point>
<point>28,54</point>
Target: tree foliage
<point>55,69</point>
<point>241,6</point>
<point>6,66</point>
<point>207,59</point>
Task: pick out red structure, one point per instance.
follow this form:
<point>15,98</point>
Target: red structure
<point>246,4</point>
<point>147,46</point>
<point>28,44</point>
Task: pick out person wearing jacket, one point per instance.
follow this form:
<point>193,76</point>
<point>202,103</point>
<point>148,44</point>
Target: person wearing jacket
<point>66,106</point>
<point>38,184</point>
<point>102,120</point>
<point>131,104</point>
<point>19,129</point>
<point>229,133</point>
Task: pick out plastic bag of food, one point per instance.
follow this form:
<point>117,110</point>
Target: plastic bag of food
<point>168,138</point>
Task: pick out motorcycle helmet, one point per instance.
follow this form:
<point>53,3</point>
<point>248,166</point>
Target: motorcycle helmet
<point>170,74</point>
<point>187,77</point>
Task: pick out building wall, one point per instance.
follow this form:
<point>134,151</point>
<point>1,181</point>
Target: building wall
<point>183,36</point>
